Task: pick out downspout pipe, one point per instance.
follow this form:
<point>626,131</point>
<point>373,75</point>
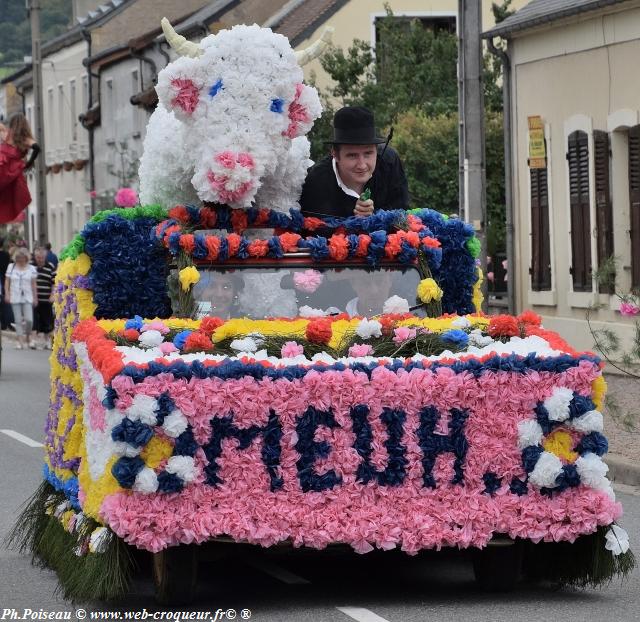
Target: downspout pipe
<point>139,55</point>
<point>508,172</point>
<point>86,35</point>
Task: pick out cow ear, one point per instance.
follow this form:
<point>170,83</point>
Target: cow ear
<point>180,87</point>
<point>303,110</point>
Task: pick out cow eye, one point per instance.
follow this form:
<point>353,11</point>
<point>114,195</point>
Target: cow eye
<point>277,105</point>
<point>213,91</point>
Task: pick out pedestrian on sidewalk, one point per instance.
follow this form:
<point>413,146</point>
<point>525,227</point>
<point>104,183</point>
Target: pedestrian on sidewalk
<point>5,308</point>
<point>43,313</point>
<point>15,142</point>
<point>20,285</point>
<point>52,258</point>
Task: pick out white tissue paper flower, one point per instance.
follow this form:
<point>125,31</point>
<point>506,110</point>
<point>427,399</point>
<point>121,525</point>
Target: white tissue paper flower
<point>307,311</point>
<point>175,423</point>
<point>529,433</point>
<point>558,404</point>
<point>591,421</point>
<point>99,540</point>
<point>461,322</point>
<point>151,338</point>
<point>144,408</point>
<point>182,466</point>
<point>593,470</point>
<point>244,345</point>
<point>546,470</point>
<point>617,540</point>
<point>369,328</point>
<point>477,339</point>
<point>146,481</point>
<point>395,304</point>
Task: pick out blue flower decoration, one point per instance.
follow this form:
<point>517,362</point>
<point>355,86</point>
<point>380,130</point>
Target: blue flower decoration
<point>277,105</point>
<point>456,337</point>
<point>180,339</point>
<point>215,89</point>
<point>136,323</point>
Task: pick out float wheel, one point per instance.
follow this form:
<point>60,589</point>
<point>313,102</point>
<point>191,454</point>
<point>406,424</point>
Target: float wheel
<point>497,567</point>
<point>175,574</point>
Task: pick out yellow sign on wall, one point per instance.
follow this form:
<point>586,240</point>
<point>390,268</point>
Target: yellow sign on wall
<point>537,147</point>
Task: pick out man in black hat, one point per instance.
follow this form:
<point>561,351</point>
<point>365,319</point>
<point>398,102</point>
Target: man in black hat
<point>362,174</point>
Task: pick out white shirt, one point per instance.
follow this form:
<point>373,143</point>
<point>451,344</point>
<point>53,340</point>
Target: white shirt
<point>20,287</point>
<point>345,189</point>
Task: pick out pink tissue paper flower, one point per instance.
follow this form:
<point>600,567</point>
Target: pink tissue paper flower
<point>126,197</point>
<point>158,325</point>
<point>403,333</point>
<point>360,349</point>
<point>291,349</point>
<point>166,347</point>
<point>307,281</point>
<point>628,309</point>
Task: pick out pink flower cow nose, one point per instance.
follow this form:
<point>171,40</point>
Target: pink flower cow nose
<point>231,175</point>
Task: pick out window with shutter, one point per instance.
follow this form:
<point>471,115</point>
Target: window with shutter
<point>540,241</point>
<point>604,209</point>
<point>578,160</point>
<point>634,203</point>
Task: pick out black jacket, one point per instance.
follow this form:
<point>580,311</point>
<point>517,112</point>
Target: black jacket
<point>321,195</point>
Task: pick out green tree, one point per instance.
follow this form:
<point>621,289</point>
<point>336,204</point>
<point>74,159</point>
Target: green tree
<point>15,30</point>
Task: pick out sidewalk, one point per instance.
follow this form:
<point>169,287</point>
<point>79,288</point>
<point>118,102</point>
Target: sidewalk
<point>624,444</point>
<point>623,457</point>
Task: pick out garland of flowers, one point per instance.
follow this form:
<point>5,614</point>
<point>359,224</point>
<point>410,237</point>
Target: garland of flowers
<point>401,246</point>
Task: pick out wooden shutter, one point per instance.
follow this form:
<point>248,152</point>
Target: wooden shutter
<point>604,210</point>
<point>634,203</point>
<point>578,159</point>
<point>540,242</point>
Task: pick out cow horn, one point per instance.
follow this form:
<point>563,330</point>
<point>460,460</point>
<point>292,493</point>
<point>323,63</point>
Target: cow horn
<point>178,42</point>
<point>315,49</point>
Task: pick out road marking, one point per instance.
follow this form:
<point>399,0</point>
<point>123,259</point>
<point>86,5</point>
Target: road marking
<point>361,615</point>
<point>22,438</point>
<point>278,572</point>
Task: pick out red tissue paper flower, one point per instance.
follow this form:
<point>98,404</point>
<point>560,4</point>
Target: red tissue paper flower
<point>209,324</point>
<point>179,213</point>
<point>504,326</point>
<point>197,341</point>
<point>131,334</point>
<point>530,318</point>
<point>319,330</point>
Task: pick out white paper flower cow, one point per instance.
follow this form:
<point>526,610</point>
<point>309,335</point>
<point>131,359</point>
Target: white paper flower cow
<point>230,127</point>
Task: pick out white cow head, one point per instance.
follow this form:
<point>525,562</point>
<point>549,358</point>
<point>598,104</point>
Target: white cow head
<point>240,99</point>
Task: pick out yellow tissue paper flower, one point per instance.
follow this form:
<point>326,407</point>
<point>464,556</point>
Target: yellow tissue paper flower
<point>188,276</point>
<point>428,291</point>
<point>478,297</point>
<point>598,391</point>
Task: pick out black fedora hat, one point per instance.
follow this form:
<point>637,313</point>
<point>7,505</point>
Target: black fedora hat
<point>354,125</point>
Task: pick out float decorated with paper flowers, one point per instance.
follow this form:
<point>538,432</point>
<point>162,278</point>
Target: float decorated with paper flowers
<point>225,368</point>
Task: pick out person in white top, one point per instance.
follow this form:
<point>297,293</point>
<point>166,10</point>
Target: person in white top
<point>21,289</point>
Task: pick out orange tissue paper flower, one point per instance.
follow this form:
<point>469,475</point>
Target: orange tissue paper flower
<point>311,223</point>
<point>233,242</point>
<point>531,318</point>
<point>503,326</point>
<point>197,341</point>
<point>289,242</point>
<point>131,334</point>
<point>258,248</point>
<point>187,242</point>
<point>338,247</point>
<point>319,330</point>
<point>180,213</point>
<point>213,247</point>
<point>239,220</point>
<point>209,324</point>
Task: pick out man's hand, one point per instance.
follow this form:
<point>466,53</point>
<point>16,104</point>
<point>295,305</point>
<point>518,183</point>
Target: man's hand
<point>363,208</point>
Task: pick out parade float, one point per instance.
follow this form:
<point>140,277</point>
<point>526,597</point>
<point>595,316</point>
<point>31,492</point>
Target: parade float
<point>291,406</point>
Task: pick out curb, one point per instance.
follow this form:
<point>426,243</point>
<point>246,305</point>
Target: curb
<point>622,470</point>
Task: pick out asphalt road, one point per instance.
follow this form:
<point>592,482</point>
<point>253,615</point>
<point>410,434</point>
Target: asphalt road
<point>283,586</point>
